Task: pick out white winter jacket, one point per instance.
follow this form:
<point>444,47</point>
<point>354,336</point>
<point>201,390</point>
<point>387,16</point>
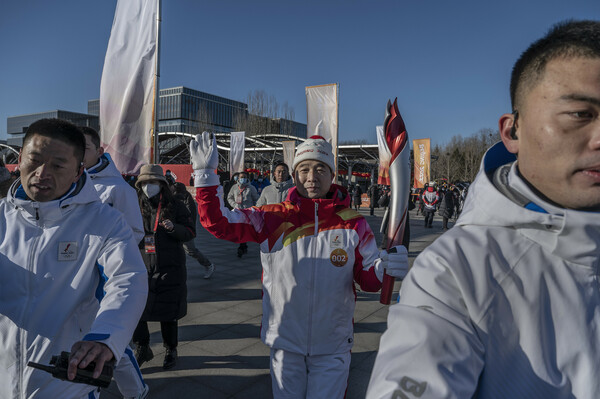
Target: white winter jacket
<point>71,271</point>
<point>114,191</point>
<point>504,305</point>
<point>275,193</point>
<point>312,253</point>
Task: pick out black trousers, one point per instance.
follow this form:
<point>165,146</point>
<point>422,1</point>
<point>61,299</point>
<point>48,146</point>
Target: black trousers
<point>168,329</point>
<point>444,223</point>
<point>428,217</point>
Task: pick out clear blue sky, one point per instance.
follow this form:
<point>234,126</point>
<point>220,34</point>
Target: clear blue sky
<point>448,62</point>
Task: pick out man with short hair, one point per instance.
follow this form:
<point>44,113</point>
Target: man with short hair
<point>313,249</point>
<point>277,192</point>
<point>109,183</point>
<point>506,303</point>
<point>62,252</point>
<point>114,191</point>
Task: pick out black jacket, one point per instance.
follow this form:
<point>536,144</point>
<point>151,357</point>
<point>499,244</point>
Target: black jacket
<point>447,205</point>
<point>167,291</point>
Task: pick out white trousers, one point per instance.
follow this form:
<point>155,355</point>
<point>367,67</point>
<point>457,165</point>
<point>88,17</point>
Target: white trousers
<point>295,376</point>
<point>128,376</point>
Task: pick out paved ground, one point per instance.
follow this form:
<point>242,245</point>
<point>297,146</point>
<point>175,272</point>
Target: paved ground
<point>220,353</point>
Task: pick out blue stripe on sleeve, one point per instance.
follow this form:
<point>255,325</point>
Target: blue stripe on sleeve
<point>102,281</point>
<point>96,337</point>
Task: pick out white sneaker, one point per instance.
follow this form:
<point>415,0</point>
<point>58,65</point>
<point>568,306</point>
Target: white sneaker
<point>209,271</point>
<point>142,395</point>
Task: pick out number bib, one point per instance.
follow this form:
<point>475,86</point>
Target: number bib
<point>338,257</point>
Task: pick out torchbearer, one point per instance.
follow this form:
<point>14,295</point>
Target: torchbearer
<point>313,249</point>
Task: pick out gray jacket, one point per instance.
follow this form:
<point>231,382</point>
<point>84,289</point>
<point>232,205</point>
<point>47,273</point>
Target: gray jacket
<point>275,193</point>
<point>242,198</point>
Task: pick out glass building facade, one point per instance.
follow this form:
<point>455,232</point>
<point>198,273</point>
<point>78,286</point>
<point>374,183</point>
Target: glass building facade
<point>16,126</point>
<point>182,110</point>
<point>191,111</point>
<point>185,110</point>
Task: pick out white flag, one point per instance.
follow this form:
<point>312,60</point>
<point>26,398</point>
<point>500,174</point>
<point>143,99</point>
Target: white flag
<point>237,147</point>
<point>322,113</point>
<point>127,86</point>
<point>289,148</point>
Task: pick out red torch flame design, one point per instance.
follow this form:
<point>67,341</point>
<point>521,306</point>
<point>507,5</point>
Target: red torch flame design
<point>394,130</point>
<point>397,140</point>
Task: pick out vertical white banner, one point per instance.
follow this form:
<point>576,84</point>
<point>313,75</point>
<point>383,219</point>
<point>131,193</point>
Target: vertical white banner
<point>289,148</point>
<point>237,147</point>
<point>385,156</point>
<point>322,113</point>
<point>126,89</point>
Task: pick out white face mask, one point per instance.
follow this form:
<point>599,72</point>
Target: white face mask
<point>151,189</point>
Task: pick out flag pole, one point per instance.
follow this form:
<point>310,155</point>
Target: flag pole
<point>155,148</point>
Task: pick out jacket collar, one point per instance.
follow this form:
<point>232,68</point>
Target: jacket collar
<point>284,184</point>
<point>337,196</point>
<point>80,192</point>
<point>104,168</point>
<point>508,201</point>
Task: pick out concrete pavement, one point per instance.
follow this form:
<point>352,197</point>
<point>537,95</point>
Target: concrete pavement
<point>220,353</point>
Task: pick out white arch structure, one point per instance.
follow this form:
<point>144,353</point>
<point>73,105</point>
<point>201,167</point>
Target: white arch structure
<point>267,148</point>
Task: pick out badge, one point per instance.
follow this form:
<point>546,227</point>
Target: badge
<point>338,257</point>
<point>336,241</point>
<point>149,246</point>
<point>67,250</point>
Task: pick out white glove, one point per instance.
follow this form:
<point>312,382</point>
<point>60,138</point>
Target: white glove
<point>395,264</point>
<point>205,159</point>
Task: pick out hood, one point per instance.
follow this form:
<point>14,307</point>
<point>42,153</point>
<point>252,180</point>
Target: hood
<point>81,192</point>
<point>499,197</point>
<point>104,168</point>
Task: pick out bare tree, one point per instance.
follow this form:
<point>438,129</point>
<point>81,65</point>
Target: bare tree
<point>459,160</point>
<point>263,114</point>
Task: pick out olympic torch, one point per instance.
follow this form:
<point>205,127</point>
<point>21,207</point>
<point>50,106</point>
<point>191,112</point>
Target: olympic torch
<point>396,140</point>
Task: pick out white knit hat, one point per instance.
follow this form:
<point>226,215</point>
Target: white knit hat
<point>315,148</point>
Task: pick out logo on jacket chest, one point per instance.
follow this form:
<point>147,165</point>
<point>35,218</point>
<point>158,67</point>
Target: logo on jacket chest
<point>67,250</point>
<point>336,241</point>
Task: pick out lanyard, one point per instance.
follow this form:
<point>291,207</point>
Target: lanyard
<point>157,213</point>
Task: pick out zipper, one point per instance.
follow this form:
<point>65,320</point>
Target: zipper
<point>312,280</point>
<point>22,345</point>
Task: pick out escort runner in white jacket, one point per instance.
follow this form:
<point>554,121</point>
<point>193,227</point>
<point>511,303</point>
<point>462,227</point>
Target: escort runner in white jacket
<point>275,193</point>
<point>55,269</point>
<point>114,191</point>
<point>506,304</point>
